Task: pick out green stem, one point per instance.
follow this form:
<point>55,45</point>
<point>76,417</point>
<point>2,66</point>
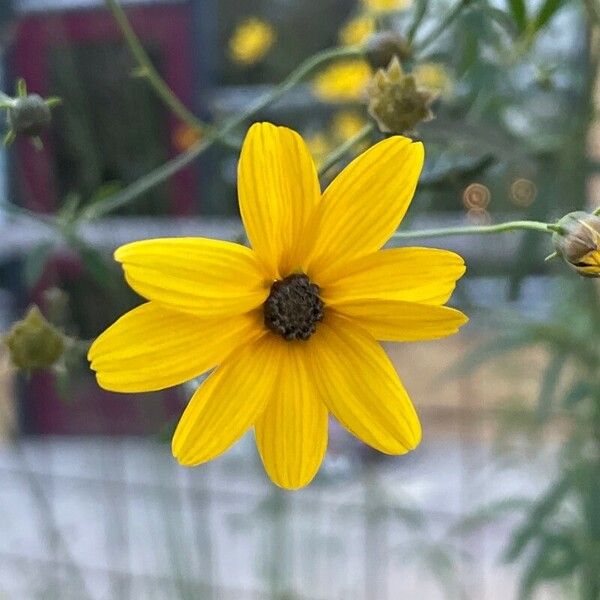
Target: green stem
<point>344,148</point>
<point>475,230</point>
<point>142,185</point>
<point>6,99</point>
<point>442,26</point>
<point>147,70</point>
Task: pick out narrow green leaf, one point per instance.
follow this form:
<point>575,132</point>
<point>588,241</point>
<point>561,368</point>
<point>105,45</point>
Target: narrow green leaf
<point>488,514</point>
<point>580,391</point>
<point>546,12</point>
<point>556,557</point>
<point>538,514</point>
<point>97,267</point>
<point>550,381</point>
<point>518,10</point>
<point>487,351</point>
<point>34,263</point>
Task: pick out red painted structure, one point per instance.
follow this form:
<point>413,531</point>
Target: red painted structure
<point>166,27</point>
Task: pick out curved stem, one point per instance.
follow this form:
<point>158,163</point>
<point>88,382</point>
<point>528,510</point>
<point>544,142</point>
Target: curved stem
<point>475,230</point>
<point>147,70</point>
<point>150,180</point>
<point>452,14</point>
<point>344,148</point>
<point>6,100</point>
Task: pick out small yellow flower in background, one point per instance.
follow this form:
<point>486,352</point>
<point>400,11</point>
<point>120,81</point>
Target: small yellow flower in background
<point>292,324</point>
<point>579,242</point>
<point>346,124</point>
<point>383,6</point>
<point>184,137</point>
<point>319,146</point>
<point>434,77</point>
<point>251,40</point>
<point>357,30</point>
<point>343,81</point>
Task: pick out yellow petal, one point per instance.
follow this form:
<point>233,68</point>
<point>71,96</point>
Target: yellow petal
<point>228,403</point>
<point>278,191</point>
<point>398,321</point>
<point>365,203</point>
<point>151,348</point>
<point>204,277</point>
<point>291,434</point>
<point>360,387</point>
<point>412,274</point>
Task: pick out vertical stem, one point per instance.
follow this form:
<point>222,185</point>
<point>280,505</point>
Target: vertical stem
<point>147,69</point>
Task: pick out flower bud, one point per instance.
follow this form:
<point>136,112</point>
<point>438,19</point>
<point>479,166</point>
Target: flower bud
<point>33,343</point>
<point>395,102</point>
<point>29,116</point>
<point>578,242</point>
<point>382,46</point>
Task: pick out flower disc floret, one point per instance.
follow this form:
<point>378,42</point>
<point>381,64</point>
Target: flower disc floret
<point>294,308</point>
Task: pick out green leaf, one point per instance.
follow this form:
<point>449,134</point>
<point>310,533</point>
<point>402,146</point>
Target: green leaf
<point>546,12</point>
<point>580,391</point>
<point>97,267</point>
<point>539,513</point>
<point>106,190</point>
<point>486,352</point>
<point>488,514</point>
<point>502,18</point>
<point>518,10</point>
<point>35,261</point>
<point>547,393</point>
<point>556,557</point>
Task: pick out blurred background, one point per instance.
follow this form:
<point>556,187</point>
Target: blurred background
<point>501,499</point>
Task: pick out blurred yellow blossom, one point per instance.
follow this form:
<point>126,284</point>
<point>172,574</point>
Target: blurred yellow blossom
<point>251,40</point>
<point>357,30</point>
<point>434,77</point>
<point>386,5</point>
<point>343,81</point>
<point>319,145</point>
<point>346,124</point>
<point>184,136</point>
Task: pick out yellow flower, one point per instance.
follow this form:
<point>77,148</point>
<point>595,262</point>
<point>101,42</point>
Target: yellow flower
<point>184,137</point>
<point>251,40</point>
<point>386,5</point>
<point>343,81</point>
<point>433,77</point>
<point>346,124</point>
<point>357,30</point>
<point>319,146</point>
<point>292,324</point>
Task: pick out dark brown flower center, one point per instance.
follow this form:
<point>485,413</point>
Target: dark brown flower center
<point>294,308</point>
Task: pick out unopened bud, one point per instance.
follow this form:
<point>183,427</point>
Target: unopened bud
<point>577,241</point>
<point>34,343</point>
<point>382,46</point>
<point>29,116</point>
<point>395,102</point>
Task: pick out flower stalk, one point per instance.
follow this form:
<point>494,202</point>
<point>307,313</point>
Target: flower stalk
<point>477,230</point>
<point>147,70</point>
<point>168,169</point>
<point>344,148</point>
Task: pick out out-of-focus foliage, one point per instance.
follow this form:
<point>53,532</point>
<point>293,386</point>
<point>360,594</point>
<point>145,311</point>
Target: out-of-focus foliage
<point>557,537</point>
